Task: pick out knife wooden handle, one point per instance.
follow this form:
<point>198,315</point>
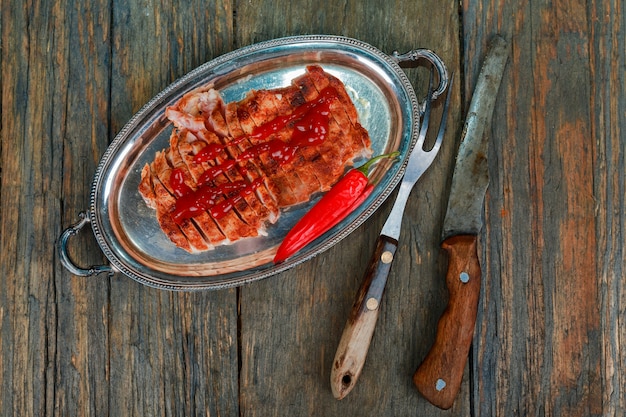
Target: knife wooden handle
<point>439,376</point>
<point>357,334</point>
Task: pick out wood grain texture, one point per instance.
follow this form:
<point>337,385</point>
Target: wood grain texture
<point>80,363</point>
<point>607,51</point>
<point>438,378</point>
<point>540,348</point>
<point>98,346</point>
<point>292,324</point>
<point>550,325</point>
<point>169,353</point>
<point>357,334</point>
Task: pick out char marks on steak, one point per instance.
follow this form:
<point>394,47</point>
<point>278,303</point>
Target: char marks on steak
<point>230,168</point>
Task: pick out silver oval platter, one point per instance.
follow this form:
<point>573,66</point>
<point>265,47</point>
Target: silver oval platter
<point>127,230</point>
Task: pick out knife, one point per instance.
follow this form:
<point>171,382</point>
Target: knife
<point>439,376</point>
<point>357,334</point>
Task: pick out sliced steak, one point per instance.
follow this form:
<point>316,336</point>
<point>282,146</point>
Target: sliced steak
<point>230,168</point>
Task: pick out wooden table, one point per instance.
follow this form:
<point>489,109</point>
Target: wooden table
<point>551,321</point>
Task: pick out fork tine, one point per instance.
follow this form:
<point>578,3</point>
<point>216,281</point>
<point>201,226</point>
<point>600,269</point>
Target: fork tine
<point>426,117</point>
<point>444,116</point>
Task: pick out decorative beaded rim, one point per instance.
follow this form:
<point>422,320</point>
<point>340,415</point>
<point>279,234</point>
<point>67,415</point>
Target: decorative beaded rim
<point>96,213</point>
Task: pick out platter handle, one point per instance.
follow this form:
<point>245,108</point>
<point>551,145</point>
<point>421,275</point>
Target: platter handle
<point>428,55</point>
<point>65,258</point>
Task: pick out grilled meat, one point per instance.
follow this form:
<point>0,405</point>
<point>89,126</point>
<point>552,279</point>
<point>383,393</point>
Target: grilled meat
<point>230,168</point>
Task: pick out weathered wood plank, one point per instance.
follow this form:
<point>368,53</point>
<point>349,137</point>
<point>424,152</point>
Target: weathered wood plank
<point>607,52</point>
<point>291,324</point>
<point>543,304</point>
<point>34,78</point>
<point>80,365</point>
<point>170,353</point>
<point>551,315</point>
<point>91,347</point>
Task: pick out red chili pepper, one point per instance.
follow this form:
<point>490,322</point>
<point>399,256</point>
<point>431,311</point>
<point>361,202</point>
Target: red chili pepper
<point>343,198</point>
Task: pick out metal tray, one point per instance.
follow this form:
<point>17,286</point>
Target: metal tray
<point>127,230</point>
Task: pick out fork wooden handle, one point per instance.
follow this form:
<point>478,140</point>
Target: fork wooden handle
<point>357,334</point>
<point>439,376</point>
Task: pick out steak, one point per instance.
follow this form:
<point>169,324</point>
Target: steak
<point>231,168</point>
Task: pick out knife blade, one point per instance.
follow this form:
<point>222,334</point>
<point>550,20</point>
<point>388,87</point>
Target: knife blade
<point>439,376</point>
<point>357,334</point>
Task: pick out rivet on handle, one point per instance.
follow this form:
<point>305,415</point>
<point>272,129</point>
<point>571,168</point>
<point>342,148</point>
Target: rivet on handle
<point>440,385</point>
<point>386,257</point>
<point>371,304</point>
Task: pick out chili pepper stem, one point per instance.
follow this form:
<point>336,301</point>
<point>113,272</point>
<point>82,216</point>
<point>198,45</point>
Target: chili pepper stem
<point>365,168</point>
<point>345,196</point>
